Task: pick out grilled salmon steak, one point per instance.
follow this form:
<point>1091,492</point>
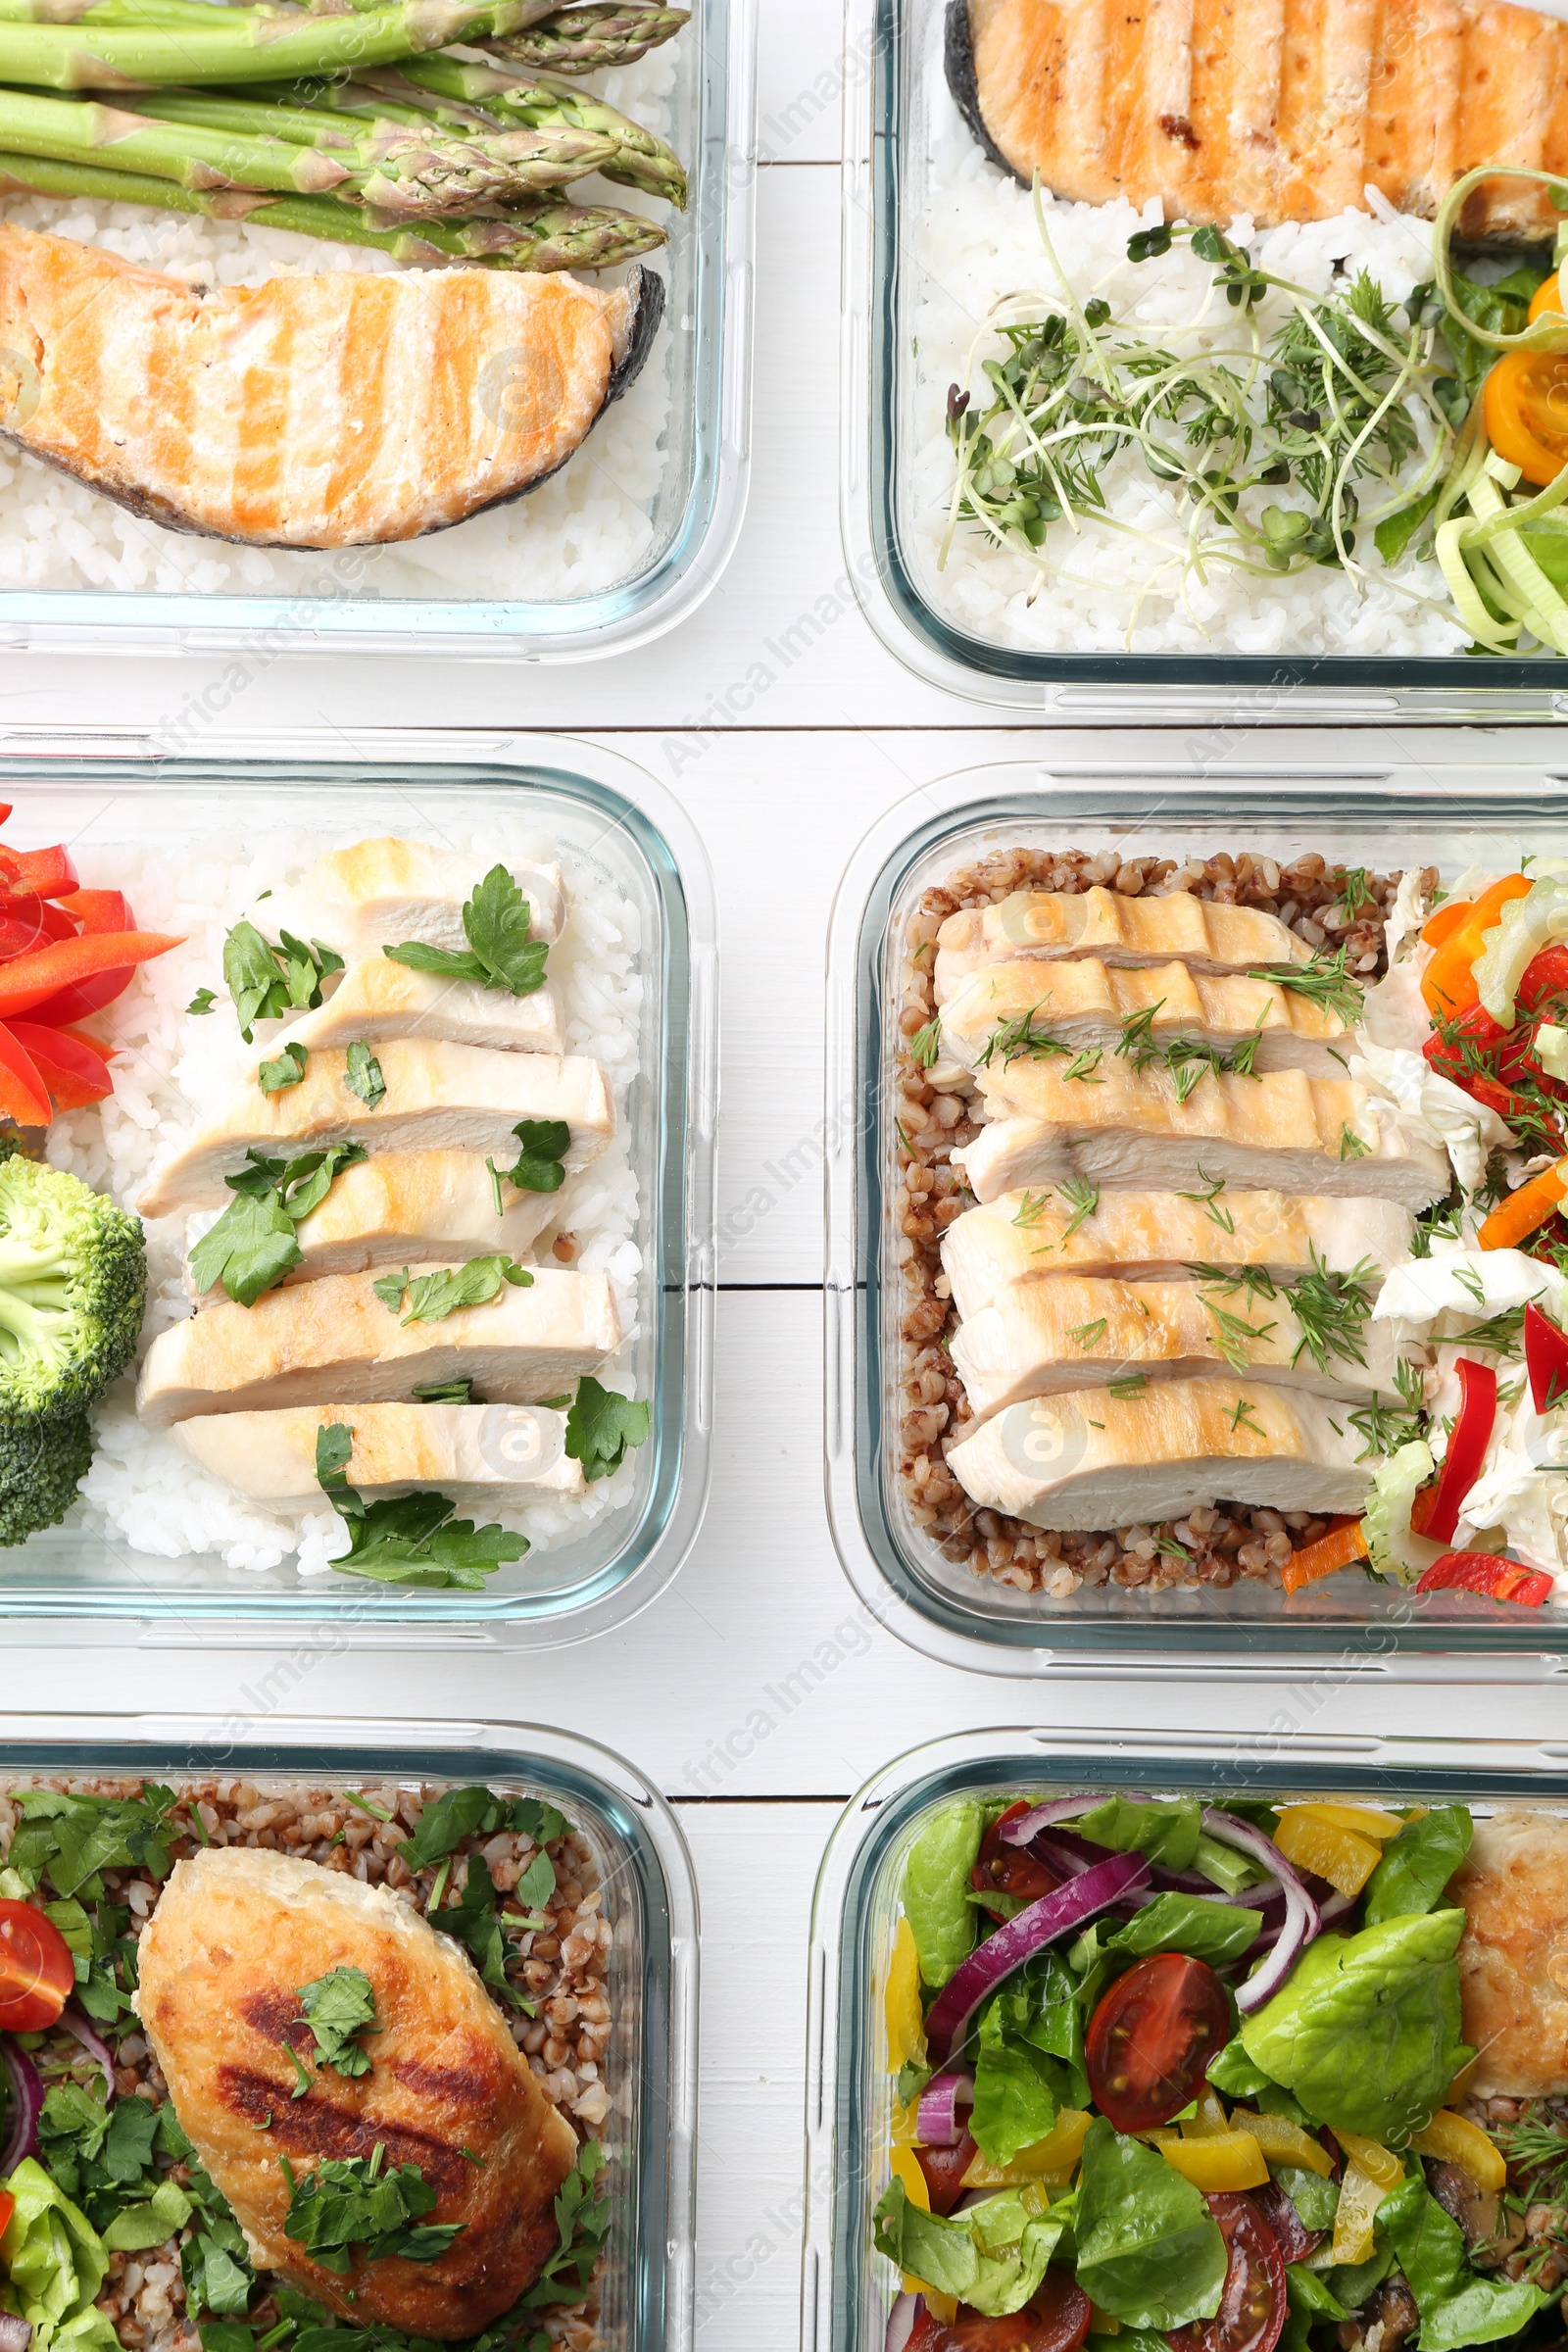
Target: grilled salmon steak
<point>1283,109</point>
<point>335,410</point>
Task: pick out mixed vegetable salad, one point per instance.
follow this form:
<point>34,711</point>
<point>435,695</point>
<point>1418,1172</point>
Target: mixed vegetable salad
<point>1193,2076</point>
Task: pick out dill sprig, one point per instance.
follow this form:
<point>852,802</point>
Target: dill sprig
<point>1500,1334</point>
<point>1082,1199</point>
<point>1332,1310</point>
<point>1537,2148</point>
<point>1323,981</point>
<point>1384,1427</point>
<point>1086,1335</point>
<point>1126,1386</point>
<point>1186,1058</point>
<point>1208,1202</point>
<point>1020,1037</point>
<point>1257,1281</point>
<point>1030,1208</point>
<point>925,1043</point>
<point>1233,1333</point>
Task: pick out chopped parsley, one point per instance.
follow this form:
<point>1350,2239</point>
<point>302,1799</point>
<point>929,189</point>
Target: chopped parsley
<point>288,1070</point>
<point>362,1074</point>
<point>408,1539</point>
<point>500,955</point>
<point>601,1426</point>
<point>433,1296</point>
<point>350,2201</point>
<point>267,982</point>
<point>542,1146</point>
<point>253,1244</point>
<point>341,2006</point>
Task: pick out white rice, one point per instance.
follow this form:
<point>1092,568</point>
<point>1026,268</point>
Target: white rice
<point>579,533</point>
<point>980,246</point>
<point>172,1067</point>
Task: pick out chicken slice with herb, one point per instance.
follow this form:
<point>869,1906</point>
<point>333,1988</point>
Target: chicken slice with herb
<point>344,1339</point>
<point>1513,1959</point>
<point>1118,1126</point>
<point>1093,1459</point>
<point>400,1207</point>
<point>378,999</point>
<point>1049,923</point>
<point>1040,1338</point>
<point>1071,1228</point>
<point>479,1453</point>
<point>437,1097</point>
<point>1160,1013</point>
<point>237,1938</point>
<point>378,893</point>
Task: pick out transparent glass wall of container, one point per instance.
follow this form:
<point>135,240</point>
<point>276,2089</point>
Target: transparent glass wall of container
<point>1380,817</point>
<point>609,820</point>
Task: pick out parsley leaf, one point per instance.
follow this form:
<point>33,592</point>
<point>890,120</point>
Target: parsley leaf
<point>352,2202</point>
<point>363,1075</point>
<point>252,1245</point>
<point>478,1812</point>
<point>341,2005</point>
<point>203,1001</point>
<point>408,1539</point>
<point>71,1840</point>
<point>500,954</point>
<point>445,1392</point>
<point>473,1919</point>
<point>543,1145</point>
<point>582,2217</point>
<point>288,1070</point>
<point>434,1296</point>
<point>267,982</point>
<point>600,1425</point>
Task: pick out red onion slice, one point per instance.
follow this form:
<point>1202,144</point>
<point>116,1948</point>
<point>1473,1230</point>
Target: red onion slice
<point>15,2334</point>
<point>1054,1914</point>
<point>24,2106</point>
<point>936,2120</point>
<point>901,2323</point>
<point>1302,1920</point>
<point>1021,1831</point>
<point>93,2042</point>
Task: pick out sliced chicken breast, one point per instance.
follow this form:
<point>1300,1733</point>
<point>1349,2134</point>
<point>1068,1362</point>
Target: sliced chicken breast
<point>438,1096</point>
<point>335,1339</point>
<point>237,1934</point>
<point>400,1206</point>
<point>1023,1236</point>
<point>1040,1339</point>
<point>1091,1459</point>
<point>1284,1131</point>
<point>377,894</point>
<point>1049,923</point>
<point>487,1454</point>
<point>1513,1885</point>
<point>1076,1003</point>
<point>379,998</point>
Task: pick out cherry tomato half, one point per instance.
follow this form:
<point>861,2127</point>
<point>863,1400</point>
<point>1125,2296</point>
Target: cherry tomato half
<point>1545,979</point>
<point>944,2169</point>
<point>1295,2240</point>
<point>1152,2038</point>
<point>1525,403</point>
<point>1010,1869</point>
<point>7,2206</point>
<point>1056,2320</point>
<point>37,1971</point>
<point>1251,2304</point>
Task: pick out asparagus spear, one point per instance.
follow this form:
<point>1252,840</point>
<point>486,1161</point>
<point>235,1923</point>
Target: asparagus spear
<point>541,236</point>
<point>580,40</point>
<point>241,44</point>
<point>407,155</point>
<point>502,95</point>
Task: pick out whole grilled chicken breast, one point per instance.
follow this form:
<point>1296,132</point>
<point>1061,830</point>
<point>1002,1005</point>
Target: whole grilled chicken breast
<point>235,1935</point>
<point>342,409</point>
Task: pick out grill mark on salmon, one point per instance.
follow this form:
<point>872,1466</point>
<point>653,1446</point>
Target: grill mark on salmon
<point>1283,109</point>
<point>334,410</point>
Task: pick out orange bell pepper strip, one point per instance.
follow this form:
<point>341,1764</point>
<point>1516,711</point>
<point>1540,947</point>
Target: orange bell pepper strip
<point>28,982</point>
<point>1344,1544</point>
<point>76,1073</point>
<point>39,873</point>
<point>23,1095</point>
<point>1447,918</point>
<point>1523,1212</point>
<point>1449,982</point>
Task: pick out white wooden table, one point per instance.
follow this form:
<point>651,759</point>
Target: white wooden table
<point>782,789</point>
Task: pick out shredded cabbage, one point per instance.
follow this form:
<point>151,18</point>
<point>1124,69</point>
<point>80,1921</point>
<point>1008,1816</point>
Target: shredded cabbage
<point>1551,1050</point>
<point>1392,1545</point>
<point>1527,925</point>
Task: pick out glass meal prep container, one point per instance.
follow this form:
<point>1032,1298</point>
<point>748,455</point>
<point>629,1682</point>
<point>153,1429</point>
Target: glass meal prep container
<point>611,823</point>
<point>1385,820</point>
<point>693,512</point>
<point>650,1900</point>
<point>895,95</point>
<point>847,2288</point>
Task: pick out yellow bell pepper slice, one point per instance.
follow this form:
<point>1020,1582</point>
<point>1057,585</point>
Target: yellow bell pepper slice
<point>1229,2160</point>
<point>1284,2142</point>
<point>1380,2164</point>
<point>943,2308</point>
<point>1209,2121</point>
<point>1453,2139</point>
<point>906,2166</point>
<point>1359,2198</point>
<point>905,2021</point>
<point>1050,2160</point>
<point>1342,1856</point>
<point>906,2129</point>
<point>1102,2322</point>
<point>1367,1820</point>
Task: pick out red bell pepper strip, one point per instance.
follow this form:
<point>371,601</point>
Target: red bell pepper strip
<point>29,981</point>
<point>1545,1360</point>
<point>1437,1507</point>
<point>39,873</point>
<point>100,910</point>
<point>1482,1572</point>
<point>28,923</point>
<point>23,1095</point>
<point>74,1073</point>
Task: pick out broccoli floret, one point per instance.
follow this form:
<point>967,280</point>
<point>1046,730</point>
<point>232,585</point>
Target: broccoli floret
<point>72,1287</point>
<point>42,1464</point>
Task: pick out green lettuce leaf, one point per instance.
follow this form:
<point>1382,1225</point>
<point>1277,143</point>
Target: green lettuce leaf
<point>1150,2251</point>
<point>136,2227</point>
<point>936,1892</point>
<point>1457,2305</point>
<point>1365,2030</point>
<point>991,2257</point>
<point>1017,2090</point>
<point>1417,1865</point>
<point>56,2264</point>
<point>1167,1831</point>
